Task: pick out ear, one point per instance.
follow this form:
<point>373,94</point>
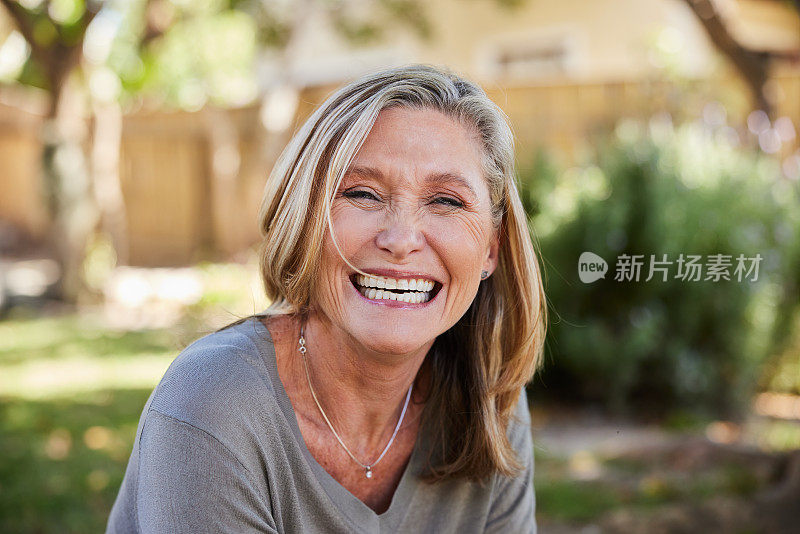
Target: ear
<point>492,253</point>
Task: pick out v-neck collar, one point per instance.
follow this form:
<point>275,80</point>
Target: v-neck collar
<point>351,506</point>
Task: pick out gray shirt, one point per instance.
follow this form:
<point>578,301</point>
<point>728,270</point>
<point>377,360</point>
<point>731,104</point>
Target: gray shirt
<point>218,449</point>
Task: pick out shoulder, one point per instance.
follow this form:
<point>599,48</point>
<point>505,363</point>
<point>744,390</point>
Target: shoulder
<point>215,381</point>
<point>519,427</point>
<point>513,507</point>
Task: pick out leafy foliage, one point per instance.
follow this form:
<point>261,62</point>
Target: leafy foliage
<point>675,344</point>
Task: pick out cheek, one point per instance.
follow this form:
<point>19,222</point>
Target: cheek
<point>329,293</point>
<point>462,242</point>
<point>354,228</point>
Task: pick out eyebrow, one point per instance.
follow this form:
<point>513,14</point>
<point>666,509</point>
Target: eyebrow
<point>365,172</point>
<point>435,178</point>
<point>449,177</point>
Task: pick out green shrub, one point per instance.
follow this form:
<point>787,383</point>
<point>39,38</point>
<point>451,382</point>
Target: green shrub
<point>675,344</point>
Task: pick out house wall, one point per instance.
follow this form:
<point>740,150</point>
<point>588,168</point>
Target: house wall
<point>591,40</point>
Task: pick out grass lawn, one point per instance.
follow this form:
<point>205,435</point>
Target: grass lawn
<point>70,398</point>
<point>72,391</point>
<point>639,487</point>
<point>63,459</point>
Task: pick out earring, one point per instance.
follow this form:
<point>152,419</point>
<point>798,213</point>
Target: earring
<point>484,275</point>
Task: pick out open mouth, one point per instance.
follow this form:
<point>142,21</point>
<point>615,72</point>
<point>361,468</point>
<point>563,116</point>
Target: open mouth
<point>410,290</point>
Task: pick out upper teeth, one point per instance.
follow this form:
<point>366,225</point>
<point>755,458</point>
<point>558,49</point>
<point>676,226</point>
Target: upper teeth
<point>393,283</point>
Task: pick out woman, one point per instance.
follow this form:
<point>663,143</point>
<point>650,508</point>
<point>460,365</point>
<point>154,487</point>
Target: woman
<point>383,389</point>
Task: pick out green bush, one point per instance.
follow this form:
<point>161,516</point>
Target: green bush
<point>675,344</point>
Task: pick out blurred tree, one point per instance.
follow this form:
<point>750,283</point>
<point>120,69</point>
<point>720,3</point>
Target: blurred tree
<point>752,65</point>
<point>55,31</point>
<point>175,53</point>
<point>672,343</point>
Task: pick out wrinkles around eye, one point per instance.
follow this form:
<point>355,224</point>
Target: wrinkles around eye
<point>359,194</point>
<point>446,202</point>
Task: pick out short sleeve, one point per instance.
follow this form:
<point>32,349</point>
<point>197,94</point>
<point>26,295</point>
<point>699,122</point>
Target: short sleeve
<point>513,506</point>
<point>189,482</point>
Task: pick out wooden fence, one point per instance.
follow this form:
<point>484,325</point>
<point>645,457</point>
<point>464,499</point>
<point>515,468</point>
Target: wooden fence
<point>21,202</point>
<point>188,194</point>
<point>192,182</point>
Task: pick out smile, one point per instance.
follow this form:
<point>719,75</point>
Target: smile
<point>410,290</point>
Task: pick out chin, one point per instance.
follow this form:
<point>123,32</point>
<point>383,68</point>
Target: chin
<point>396,341</point>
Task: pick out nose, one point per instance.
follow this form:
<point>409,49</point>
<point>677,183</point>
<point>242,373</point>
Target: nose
<point>401,236</point>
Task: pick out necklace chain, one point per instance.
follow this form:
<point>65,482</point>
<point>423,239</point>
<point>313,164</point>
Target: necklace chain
<point>367,467</point>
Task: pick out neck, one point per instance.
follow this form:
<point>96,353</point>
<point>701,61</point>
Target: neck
<point>361,392</point>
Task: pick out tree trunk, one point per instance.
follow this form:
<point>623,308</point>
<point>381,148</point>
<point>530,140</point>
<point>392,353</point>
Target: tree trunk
<point>106,144</point>
<point>73,213</point>
<point>66,182</point>
<point>752,65</point>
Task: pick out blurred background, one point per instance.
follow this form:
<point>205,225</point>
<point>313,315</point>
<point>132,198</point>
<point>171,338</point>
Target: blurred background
<point>136,137</point>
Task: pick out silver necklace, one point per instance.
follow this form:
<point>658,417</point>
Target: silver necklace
<point>367,467</point>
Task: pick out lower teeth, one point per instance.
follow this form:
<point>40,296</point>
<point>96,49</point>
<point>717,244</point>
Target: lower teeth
<point>411,298</point>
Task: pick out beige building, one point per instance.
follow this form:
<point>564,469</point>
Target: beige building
<point>543,40</point>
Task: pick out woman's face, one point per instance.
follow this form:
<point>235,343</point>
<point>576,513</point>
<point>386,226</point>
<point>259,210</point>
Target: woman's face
<point>414,212</point>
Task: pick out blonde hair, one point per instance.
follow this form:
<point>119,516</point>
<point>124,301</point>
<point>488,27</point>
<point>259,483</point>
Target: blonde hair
<point>478,366</point>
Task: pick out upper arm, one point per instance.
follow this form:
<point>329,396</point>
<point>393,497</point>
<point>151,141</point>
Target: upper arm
<point>513,506</point>
<point>190,482</point>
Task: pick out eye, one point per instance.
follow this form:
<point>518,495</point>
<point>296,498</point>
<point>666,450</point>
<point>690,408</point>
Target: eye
<point>359,194</point>
<point>448,201</point>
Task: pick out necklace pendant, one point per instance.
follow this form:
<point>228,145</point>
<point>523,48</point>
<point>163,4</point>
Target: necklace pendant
<point>368,472</point>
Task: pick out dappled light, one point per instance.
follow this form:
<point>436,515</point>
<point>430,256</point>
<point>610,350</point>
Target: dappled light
<point>30,278</point>
<point>97,437</point>
<point>778,405</point>
<point>723,432</point>
<point>98,479</point>
<point>59,444</point>
<point>655,140</point>
<point>583,465</point>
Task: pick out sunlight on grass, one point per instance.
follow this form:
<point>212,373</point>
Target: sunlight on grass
<point>778,435</point>
<point>63,459</point>
<point>61,356</point>
<point>47,379</point>
<point>632,483</point>
<point>72,389</point>
<point>24,335</point>
<point>71,392</point>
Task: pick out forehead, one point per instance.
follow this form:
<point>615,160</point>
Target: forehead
<point>420,142</point>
